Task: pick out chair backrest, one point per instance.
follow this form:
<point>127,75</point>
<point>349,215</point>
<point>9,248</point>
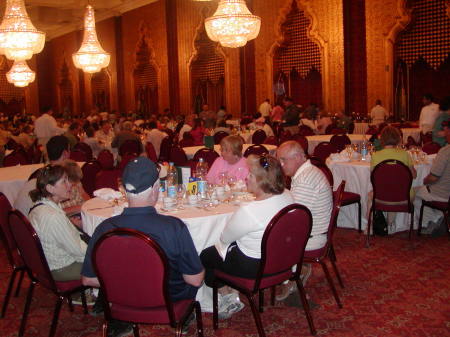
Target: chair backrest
<point>302,140</point>
<point>186,142</point>
<point>125,159</point>
<point>305,130</point>
<point>208,155</point>
<point>284,136</point>
<point>151,153</point>
<point>132,270</point>
<point>90,170</point>
<point>284,241</point>
<point>78,155</point>
<point>340,141</point>
<point>338,195</point>
<point>317,162</point>
<point>426,137</point>
<point>164,151</point>
<point>85,148</point>
<point>431,148</point>
<point>218,136</point>
<point>107,178</point>
<point>259,136</point>
<point>5,232</point>
<point>178,156</point>
<point>324,149</point>
<point>330,128</point>
<point>391,182</point>
<point>256,149</point>
<point>30,249</point>
<point>17,157</point>
<point>36,154</point>
<point>106,159</point>
<point>130,146</point>
<point>272,140</point>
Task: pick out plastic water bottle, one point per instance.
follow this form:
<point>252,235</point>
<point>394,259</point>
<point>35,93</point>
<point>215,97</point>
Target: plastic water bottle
<point>200,173</point>
<point>172,181</point>
<point>364,149</point>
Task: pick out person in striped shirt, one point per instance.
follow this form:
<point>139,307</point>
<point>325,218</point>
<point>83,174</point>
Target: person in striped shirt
<point>309,187</point>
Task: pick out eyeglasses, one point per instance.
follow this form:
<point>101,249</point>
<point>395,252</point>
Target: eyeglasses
<point>264,162</point>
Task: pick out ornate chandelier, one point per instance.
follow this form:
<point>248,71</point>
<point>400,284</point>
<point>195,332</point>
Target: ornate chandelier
<point>232,24</point>
<point>19,39</point>
<point>91,57</point>
<point>20,74</point>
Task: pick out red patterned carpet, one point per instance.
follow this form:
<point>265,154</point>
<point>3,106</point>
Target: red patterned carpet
<point>395,288</point>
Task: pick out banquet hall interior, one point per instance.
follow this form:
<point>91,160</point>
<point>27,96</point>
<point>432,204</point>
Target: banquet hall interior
<point>161,62</point>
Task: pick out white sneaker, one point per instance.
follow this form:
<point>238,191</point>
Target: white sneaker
<point>229,304</point>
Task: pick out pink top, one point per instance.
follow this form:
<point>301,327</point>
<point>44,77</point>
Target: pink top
<point>277,113</point>
<point>197,134</point>
<point>238,170</point>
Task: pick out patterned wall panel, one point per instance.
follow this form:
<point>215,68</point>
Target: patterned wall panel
<point>65,89</point>
<point>12,98</point>
<point>100,88</point>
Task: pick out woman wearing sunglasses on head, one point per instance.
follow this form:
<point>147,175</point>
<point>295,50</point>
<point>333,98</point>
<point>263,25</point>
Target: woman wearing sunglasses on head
<point>238,252</point>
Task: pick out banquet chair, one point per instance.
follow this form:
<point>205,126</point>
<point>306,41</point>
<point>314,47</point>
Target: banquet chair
<point>284,136</point>
<point>442,206</point>
<point>338,131</point>
<point>136,282</point>
<point>186,141</point>
<point>17,157</point>
<point>37,268</point>
<point>208,155</point>
<point>305,130</point>
<point>125,159</point>
<point>431,148</point>
<point>327,252</point>
<point>164,152</point>
<point>12,254</point>
<point>351,128</point>
<point>178,156</point>
<point>78,155</point>
<point>106,159</point>
<point>90,171</point>
<point>348,198</point>
<point>218,136</point>
<point>84,148</point>
<point>302,140</point>
<point>108,179</point>
<point>259,150</point>
<point>130,146</point>
<point>426,137</point>
<point>323,150</point>
<point>410,142</point>
<point>282,246</point>
<point>340,141</point>
<point>150,151</point>
<point>258,137</point>
<point>329,128</point>
<point>272,140</point>
<point>391,182</point>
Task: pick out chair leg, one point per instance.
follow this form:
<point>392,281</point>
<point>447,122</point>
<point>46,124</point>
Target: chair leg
<point>19,283</point>
<point>256,315</point>
<point>411,227</point>
<point>306,308</point>
<point>8,292</point>
<point>419,229</point>
<point>136,330</point>
<point>331,283</point>
<point>56,312</point>
<point>26,308</point>
<point>83,302</point>
<point>198,315</point>
<point>69,302</point>
<point>215,308</point>
<point>333,264</point>
<point>261,300</point>
<point>105,329</point>
<point>359,217</point>
<point>272,296</point>
<point>369,223</point>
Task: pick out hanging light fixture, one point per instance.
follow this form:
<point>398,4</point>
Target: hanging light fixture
<point>91,57</point>
<point>20,74</point>
<point>232,24</point>
<point>19,39</point>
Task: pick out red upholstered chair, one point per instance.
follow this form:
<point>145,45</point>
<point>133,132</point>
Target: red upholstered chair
<point>106,159</point>
<point>218,136</point>
<point>186,142</point>
<point>351,127</point>
<point>338,131</point>
<point>17,157</point>
<point>164,152</point>
<point>410,142</point>
<point>34,154</point>
<point>272,140</point>
<point>259,136</point>
<point>136,282</point>
<point>259,150</point>
<point>90,171</point>
<point>130,146</point>
<point>151,153</point>
<point>302,140</point>
<point>305,130</point>
<point>431,148</point>
<point>125,159</point>
<point>208,155</point>
<point>442,206</point>
<point>78,155</point>
<point>107,178</point>
<point>426,137</point>
<point>327,252</point>
<point>283,246</point>
<point>84,148</point>
<point>38,271</point>
<point>330,128</point>
<point>391,183</point>
<point>340,141</point>
<point>284,136</point>
<point>324,149</point>
<point>12,254</point>
<point>178,156</point>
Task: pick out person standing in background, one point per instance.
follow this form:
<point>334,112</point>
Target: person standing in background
<point>378,113</point>
<point>45,127</point>
<point>265,109</point>
<point>428,114</point>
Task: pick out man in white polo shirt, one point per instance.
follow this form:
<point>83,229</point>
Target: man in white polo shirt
<point>428,114</point>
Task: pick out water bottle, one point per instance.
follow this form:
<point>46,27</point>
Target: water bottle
<point>172,181</point>
<point>200,173</point>
<point>364,149</point>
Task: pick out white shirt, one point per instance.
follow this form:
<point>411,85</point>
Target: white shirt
<point>248,223</point>
<point>311,188</point>
<point>265,109</point>
<point>155,137</point>
<point>105,139</point>
<point>94,145</point>
<point>428,116</point>
<point>184,128</point>
<point>378,114</point>
<point>46,127</point>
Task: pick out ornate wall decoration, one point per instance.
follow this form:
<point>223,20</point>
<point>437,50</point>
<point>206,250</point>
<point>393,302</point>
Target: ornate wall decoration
<point>12,98</point>
<point>101,90</point>
<point>65,90</point>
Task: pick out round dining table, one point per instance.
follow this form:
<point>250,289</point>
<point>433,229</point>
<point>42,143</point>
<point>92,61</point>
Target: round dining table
<point>191,150</point>
<point>313,141</point>
<point>204,224</point>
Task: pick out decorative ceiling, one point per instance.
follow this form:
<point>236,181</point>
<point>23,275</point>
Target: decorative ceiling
<point>59,17</point>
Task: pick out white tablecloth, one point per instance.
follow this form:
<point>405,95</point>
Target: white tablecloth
<point>357,177</point>
<point>191,150</point>
<point>313,141</point>
<point>413,132</point>
<point>361,128</point>
<point>205,227</point>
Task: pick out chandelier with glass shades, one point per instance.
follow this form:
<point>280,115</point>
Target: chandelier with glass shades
<point>91,57</point>
<point>19,39</point>
<point>232,24</point>
<point>20,74</point>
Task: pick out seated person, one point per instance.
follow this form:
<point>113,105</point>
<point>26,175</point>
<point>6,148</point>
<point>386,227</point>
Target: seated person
<point>61,242</point>
<point>230,161</point>
<point>343,121</point>
<point>260,123</point>
<point>92,141</point>
<point>238,251</point>
<point>222,126</point>
<point>77,194</point>
<point>438,129</point>
<point>198,131</point>
<point>322,122</point>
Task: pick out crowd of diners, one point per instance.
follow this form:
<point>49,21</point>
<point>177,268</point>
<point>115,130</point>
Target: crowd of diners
<point>52,199</point>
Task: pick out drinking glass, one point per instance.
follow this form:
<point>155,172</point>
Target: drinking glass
<point>349,150</point>
<point>232,181</point>
<point>223,178</point>
<point>181,195</point>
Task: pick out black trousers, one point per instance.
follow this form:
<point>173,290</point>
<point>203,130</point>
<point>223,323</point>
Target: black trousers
<point>236,263</point>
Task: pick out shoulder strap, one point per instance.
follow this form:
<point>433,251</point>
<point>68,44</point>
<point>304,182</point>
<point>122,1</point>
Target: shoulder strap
<point>34,206</point>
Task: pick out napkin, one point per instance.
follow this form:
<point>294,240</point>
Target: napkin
<point>339,157</point>
<point>107,194</point>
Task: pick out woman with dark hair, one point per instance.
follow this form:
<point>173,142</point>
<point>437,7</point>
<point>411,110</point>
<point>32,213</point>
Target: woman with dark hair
<point>198,131</point>
<point>238,252</point>
<point>61,242</point>
<point>438,129</point>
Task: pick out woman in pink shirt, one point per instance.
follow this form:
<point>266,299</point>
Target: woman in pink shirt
<point>231,162</point>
